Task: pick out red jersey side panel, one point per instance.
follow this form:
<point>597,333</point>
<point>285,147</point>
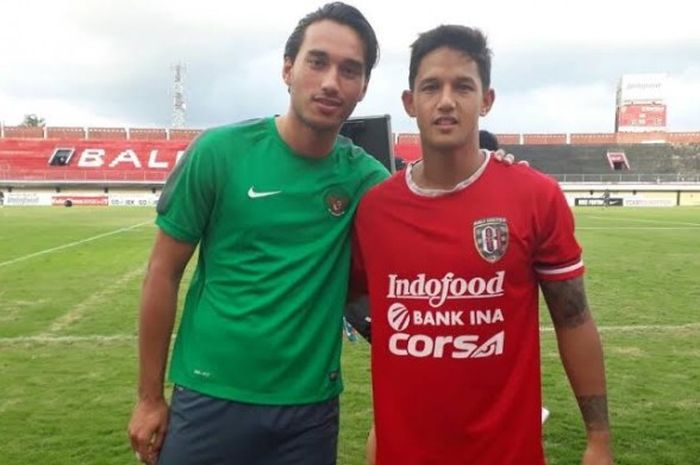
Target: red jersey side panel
<point>453,283</point>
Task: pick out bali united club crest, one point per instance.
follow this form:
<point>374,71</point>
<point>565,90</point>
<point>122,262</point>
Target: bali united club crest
<point>491,238</point>
<point>337,201</point>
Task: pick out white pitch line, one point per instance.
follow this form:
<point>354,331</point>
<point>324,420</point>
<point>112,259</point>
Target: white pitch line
<point>632,328</point>
<point>65,339</point>
<point>93,300</point>
<point>11,340</point>
<point>617,218</point>
<point>72,244</point>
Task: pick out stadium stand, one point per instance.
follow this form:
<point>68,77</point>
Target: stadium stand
<point>683,137</point>
<point>65,133</point>
<point>146,155</point>
<point>147,134</point>
<point>592,138</point>
<point>106,133</point>
<point>544,139</point>
<point>663,158</point>
<point>184,134</point>
<point>23,133</point>
<point>508,139</point>
<point>560,159</point>
<point>593,159</point>
<point>95,161</point>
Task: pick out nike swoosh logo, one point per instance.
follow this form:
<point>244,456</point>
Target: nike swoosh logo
<point>256,195</point>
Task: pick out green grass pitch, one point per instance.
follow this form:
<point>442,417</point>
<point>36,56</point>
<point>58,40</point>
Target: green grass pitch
<point>69,289</point>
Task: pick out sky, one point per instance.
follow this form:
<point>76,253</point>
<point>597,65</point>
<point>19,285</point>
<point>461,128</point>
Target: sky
<point>556,64</point>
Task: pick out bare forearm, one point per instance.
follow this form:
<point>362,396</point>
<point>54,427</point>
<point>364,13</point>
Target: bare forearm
<point>581,351</point>
<point>158,308</point>
<point>582,356</point>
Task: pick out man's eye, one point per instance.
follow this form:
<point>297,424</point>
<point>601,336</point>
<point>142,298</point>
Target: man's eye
<point>350,72</point>
<point>316,62</point>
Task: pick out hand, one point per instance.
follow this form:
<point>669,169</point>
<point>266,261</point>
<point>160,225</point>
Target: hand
<point>507,159</point>
<point>147,428</point>
<point>597,453</point>
<point>371,454</point>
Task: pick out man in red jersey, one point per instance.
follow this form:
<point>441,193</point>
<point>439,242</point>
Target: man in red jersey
<point>452,252</point>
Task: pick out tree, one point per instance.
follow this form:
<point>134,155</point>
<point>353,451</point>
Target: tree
<point>33,121</point>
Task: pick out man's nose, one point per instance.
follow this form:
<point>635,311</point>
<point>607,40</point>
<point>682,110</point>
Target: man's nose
<point>447,101</point>
<point>330,82</point>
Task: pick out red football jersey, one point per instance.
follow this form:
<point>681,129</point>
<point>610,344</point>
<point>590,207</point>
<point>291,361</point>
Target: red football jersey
<point>453,284</point>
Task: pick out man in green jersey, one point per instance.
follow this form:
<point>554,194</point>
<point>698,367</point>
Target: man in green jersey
<point>256,362</point>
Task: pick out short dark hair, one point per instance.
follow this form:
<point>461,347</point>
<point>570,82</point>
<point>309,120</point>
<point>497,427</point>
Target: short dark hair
<point>341,13</point>
<point>471,42</point>
<point>487,140</point>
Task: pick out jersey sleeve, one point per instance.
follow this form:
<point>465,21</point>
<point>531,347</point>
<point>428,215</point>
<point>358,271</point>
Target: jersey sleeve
<point>189,194</point>
<point>558,254</point>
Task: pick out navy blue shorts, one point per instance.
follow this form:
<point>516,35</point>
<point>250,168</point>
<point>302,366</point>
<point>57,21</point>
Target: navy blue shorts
<point>204,430</point>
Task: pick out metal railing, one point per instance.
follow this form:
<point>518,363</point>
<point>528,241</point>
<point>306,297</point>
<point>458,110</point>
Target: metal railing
<point>104,176</point>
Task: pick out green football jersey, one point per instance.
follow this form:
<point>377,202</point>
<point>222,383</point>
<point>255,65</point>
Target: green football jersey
<point>262,316</point>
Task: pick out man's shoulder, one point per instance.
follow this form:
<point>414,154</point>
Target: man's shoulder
<point>387,188</point>
<point>359,161</point>
<point>230,133</point>
<point>216,144</point>
<point>353,152</point>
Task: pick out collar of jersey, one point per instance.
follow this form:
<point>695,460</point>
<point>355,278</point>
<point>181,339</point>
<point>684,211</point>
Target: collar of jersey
<point>329,158</point>
<point>440,192</point>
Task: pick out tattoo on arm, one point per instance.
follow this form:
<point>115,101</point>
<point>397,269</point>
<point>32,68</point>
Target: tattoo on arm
<point>567,302</point>
<point>594,410</point>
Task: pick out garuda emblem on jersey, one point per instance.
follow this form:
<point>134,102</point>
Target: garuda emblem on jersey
<point>337,201</point>
<point>491,238</point>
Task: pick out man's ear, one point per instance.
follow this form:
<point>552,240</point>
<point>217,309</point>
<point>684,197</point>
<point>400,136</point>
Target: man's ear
<point>287,71</point>
<point>487,101</point>
<point>407,99</point>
